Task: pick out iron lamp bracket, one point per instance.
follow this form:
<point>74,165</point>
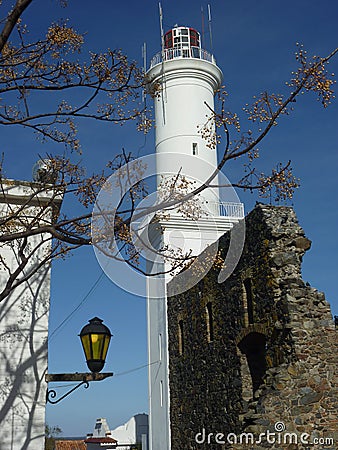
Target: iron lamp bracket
<point>84,378</point>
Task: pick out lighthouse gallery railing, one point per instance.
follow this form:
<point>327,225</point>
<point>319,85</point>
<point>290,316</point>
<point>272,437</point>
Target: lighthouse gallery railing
<point>173,53</point>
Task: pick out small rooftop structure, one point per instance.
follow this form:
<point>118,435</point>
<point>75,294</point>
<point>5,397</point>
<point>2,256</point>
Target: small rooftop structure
<point>98,442</point>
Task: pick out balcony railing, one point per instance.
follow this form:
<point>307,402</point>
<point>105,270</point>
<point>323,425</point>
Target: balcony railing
<point>173,53</point>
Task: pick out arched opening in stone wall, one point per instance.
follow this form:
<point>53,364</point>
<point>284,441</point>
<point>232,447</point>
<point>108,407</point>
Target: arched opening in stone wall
<point>210,322</point>
<point>180,337</point>
<point>248,302</point>
<point>253,346</point>
<point>247,389</point>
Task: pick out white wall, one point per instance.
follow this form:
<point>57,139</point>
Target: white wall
<point>131,432</point>
<point>182,108</point>
<point>23,332</point>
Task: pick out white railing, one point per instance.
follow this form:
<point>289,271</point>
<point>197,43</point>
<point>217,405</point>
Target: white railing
<point>230,209</point>
<point>173,53</point>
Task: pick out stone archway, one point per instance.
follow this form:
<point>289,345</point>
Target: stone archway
<point>253,346</point>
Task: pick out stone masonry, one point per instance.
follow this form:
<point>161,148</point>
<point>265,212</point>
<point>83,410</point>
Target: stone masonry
<point>257,353</point>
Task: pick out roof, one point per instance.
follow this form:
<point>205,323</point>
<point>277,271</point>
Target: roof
<point>101,440</point>
<point>70,445</point>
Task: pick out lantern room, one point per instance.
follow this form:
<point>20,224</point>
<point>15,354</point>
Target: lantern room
<point>181,42</point>
<point>182,37</point>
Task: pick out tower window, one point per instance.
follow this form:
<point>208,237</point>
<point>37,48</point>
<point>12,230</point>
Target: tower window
<point>248,302</point>
<point>210,322</point>
<point>180,337</point>
<point>194,38</point>
<point>161,393</point>
<point>168,40</point>
<point>194,148</point>
<point>160,347</point>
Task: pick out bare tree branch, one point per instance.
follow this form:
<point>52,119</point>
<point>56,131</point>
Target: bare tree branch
<point>12,20</point>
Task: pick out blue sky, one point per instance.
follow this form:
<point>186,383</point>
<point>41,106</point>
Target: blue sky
<point>254,43</point>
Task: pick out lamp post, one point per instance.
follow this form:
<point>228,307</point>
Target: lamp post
<point>95,338</point>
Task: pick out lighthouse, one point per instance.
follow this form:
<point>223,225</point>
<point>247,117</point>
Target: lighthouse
<point>187,78</point>
<point>183,78</point>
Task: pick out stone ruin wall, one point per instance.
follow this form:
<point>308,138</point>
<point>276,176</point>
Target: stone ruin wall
<point>271,355</point>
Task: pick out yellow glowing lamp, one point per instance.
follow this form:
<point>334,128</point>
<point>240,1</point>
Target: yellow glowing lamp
<point>95,339</point>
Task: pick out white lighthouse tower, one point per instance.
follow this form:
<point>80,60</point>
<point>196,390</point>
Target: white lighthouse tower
<point>184,78</point>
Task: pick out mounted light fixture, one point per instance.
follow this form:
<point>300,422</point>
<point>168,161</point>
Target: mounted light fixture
<point>95,339</point>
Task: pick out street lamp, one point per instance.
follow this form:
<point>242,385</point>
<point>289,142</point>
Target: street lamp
<point>95,339</point>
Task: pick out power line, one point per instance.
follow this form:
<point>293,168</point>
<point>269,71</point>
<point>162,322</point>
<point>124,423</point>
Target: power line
<point>135,369</point>
<point>67,319</point>
<point>64,322</point>
<point>120,374</point>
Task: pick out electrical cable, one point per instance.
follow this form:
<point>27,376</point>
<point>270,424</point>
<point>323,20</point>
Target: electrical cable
<point>70,315</point>
<point>120,374</point>
<point>135,369</point>
<point>63,323</point>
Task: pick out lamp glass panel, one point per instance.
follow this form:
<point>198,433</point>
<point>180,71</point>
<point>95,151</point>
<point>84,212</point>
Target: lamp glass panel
<point>105,346</point>
<point>86,346</point>
<point>97,345</point>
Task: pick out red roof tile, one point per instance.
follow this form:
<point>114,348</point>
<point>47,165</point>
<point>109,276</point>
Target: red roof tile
<point>70,445</point>
<point>103,440</point>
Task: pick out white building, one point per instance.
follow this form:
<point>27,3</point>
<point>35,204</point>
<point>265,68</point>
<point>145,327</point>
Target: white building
<point>184,78</point>
<point>135,431</point>
<point>24,314</point>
